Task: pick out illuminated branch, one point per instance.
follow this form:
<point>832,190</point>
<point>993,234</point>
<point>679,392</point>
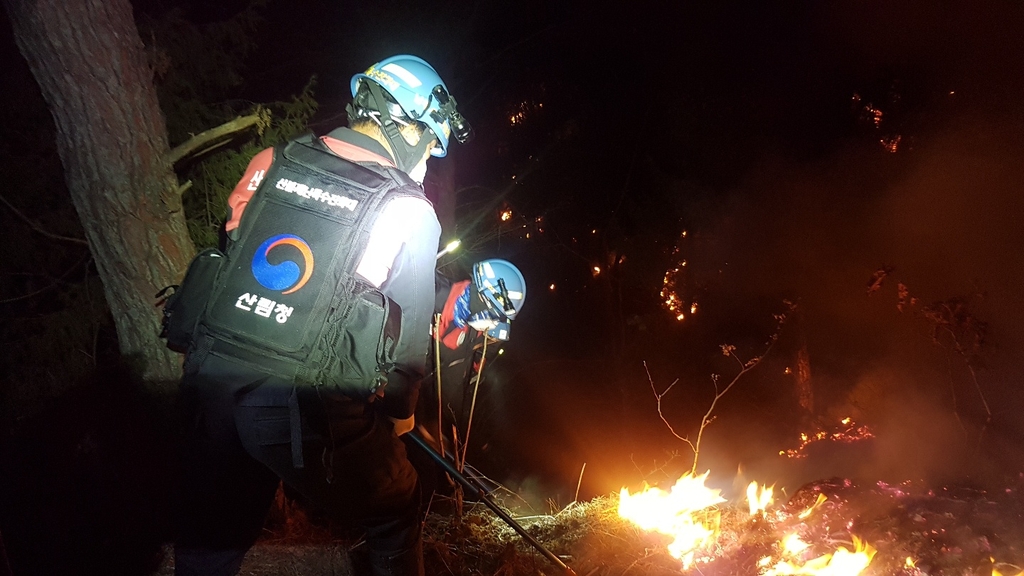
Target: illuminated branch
<point>216,137</point>
<point>655,466</point>
<point>727,350</point>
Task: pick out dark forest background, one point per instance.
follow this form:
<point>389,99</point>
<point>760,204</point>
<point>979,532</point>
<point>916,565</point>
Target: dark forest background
<point>851,166</point>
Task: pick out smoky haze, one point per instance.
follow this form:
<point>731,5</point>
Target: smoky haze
<point>948,226</point>
<point>943,213</point>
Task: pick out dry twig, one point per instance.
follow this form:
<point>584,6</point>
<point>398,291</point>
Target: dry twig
<point>744,367</point>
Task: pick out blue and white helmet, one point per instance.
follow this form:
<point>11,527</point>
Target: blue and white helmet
<point>419,94</point>
<point>502,286</point>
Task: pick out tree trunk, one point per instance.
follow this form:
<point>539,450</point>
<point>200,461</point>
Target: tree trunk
<point>804,389</point>
<point>804,384</point>
<point>90,64</point>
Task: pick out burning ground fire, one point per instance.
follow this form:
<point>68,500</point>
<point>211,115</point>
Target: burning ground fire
<point>811,538</point>
<point>829,527</point>
<point>687,515</point>
<point>847,432</point>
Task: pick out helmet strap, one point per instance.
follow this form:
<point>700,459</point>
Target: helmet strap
<point>406,156</point>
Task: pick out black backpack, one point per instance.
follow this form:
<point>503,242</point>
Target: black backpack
<point>285,297</point>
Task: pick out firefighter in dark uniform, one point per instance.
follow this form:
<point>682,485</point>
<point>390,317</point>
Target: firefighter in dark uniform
<point>469,311</point>
<point>306,363</point>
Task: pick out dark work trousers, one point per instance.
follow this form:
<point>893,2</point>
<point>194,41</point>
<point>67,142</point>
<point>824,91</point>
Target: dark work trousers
<point>238,445</point>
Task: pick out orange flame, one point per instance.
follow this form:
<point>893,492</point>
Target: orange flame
<point>996,572</point>
<point>793,545</point>
<point>686,514</point>
<point>681,513</point>
<point>841,563</point>
<point>818,502</point>
<point>759,499</point>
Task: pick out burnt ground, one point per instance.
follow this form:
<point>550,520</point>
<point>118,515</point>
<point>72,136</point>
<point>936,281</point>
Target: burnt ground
<point>87,485</point>
<point>951,531</point>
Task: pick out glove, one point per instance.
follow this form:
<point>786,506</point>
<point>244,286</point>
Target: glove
<point>403,426</point>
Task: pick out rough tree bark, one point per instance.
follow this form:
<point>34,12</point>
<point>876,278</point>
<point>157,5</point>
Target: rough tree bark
<point>90,64</point>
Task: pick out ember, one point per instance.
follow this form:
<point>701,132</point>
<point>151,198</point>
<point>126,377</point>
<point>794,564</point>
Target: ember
<point>848,431</point>
<point>674,285</point>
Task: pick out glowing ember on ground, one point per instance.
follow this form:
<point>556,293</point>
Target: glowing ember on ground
<point>671,300</point>
<point>682,513</point>
<point>675,285</point>
<point>848,431</point>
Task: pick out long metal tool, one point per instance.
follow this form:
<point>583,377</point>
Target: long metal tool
<point>486,499</point>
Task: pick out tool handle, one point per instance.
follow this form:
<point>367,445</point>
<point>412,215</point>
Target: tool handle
<point>486,499</point>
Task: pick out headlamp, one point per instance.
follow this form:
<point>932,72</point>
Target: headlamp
<point>447,112</point>
<point>502,296</point>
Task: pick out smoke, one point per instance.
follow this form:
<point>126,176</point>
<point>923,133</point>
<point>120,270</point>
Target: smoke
<point>946,217</point>
<point>944,212</point>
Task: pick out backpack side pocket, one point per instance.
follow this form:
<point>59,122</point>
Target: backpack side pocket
<point>184,307</point>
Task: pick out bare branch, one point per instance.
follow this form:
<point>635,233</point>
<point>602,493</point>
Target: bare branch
<point>35,226</point>
<point>660,414</point>
<point>212,138</point>
<point>744,367</point>
<point>56,282</point>
<point>954,317</point>
<point>656,468</point>
<point>579,483</point>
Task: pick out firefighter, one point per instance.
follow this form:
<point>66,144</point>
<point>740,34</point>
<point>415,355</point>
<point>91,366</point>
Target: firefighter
<point>306,362</point>
<point>470,310</point>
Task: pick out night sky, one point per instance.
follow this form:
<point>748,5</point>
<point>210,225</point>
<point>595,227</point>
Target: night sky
<point>802,146</point>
